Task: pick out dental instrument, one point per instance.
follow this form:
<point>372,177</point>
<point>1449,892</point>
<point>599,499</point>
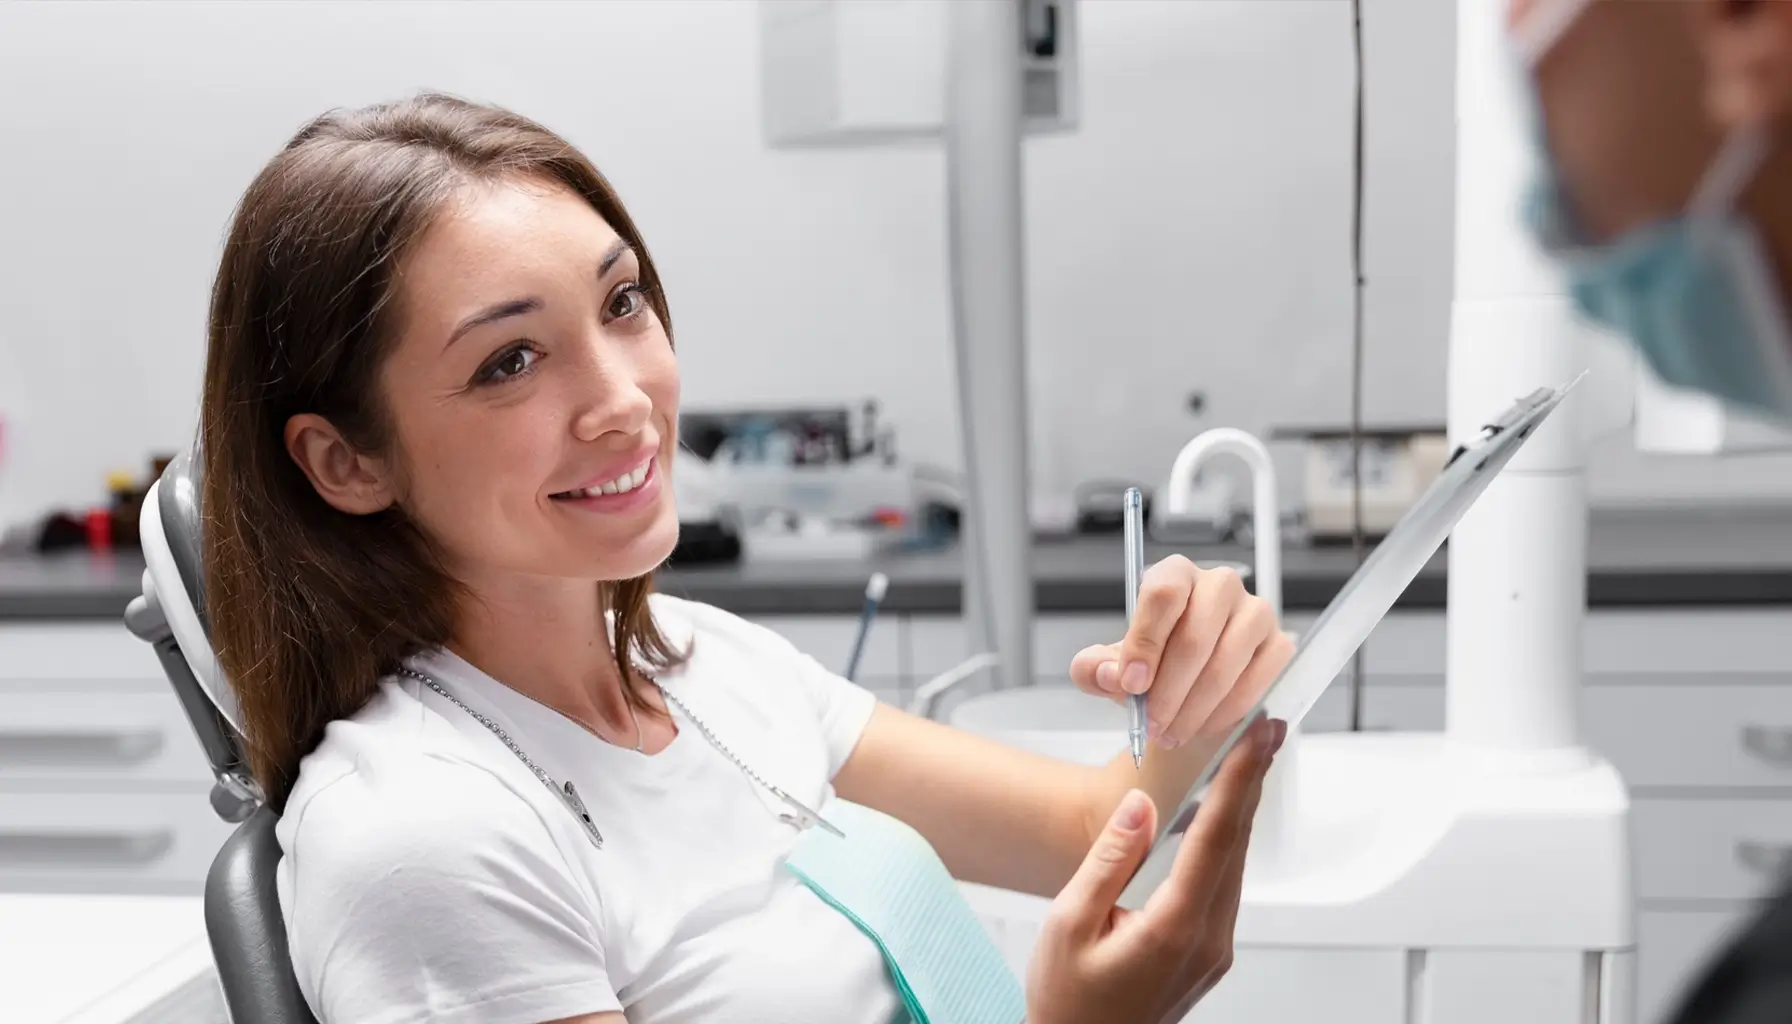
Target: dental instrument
<point>875,589</point>
<point>1132,507</point>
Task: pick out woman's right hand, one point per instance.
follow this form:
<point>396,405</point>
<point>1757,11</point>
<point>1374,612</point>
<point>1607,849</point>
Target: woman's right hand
<point>1096,961</point>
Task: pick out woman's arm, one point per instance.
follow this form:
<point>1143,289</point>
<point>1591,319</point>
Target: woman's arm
<point>997,815</point>
<point>1017,820</point>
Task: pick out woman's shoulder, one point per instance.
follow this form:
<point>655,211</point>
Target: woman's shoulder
<point>394,844</point>
<point>393,783</point>
<point>692,624</point>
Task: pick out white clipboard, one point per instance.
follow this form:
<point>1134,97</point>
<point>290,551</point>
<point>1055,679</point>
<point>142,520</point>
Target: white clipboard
<point>1365,599</point>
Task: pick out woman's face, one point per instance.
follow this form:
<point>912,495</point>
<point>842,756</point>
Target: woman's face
<point>533,391</point>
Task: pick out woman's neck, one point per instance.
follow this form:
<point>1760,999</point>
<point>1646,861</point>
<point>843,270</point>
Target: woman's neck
<point>547,639</point>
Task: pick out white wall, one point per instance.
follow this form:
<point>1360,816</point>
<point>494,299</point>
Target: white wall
<point>1194,234</point>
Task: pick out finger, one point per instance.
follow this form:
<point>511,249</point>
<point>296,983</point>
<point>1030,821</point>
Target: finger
<point>1265,668</point>
<point>1212,958</point>
<point>1217,830</point>
<point>1096,670</point>
<point>1175,692</point>
<point>1163,597</point>
<point>1245,631</point>
<point>1224,911</point>
<point>1086,903</point>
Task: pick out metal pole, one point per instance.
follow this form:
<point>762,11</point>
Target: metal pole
<point>984,217</point>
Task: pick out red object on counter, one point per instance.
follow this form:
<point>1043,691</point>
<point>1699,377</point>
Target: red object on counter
<point>99,529</point>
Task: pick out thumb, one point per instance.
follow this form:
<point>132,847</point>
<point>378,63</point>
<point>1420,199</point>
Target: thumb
<point>1088,899</point>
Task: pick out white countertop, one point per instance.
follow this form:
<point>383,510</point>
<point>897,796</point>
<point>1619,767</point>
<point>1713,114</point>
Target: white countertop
<point>92,959</point>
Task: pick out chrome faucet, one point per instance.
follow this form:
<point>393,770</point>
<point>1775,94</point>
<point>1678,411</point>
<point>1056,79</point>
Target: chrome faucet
<point>1266,568</point>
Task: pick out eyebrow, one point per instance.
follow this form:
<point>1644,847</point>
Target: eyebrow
<point>520,307</point>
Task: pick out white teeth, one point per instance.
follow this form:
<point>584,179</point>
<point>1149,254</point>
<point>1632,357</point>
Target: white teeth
<point>621,485</point>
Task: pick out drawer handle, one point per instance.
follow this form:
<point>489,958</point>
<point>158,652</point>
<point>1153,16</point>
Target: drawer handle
<point>1765,858</point>
<point>1773,745</point>
<point>56,847</point>
<point>62,747</point>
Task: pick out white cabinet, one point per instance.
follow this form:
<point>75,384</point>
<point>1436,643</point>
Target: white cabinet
<point>102,785</point>
<point>850,72</point>
<point>98,733</point>
<point>85,841</point>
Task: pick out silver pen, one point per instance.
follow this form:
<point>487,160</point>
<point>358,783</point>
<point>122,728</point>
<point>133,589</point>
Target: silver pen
<point>1132,509</point>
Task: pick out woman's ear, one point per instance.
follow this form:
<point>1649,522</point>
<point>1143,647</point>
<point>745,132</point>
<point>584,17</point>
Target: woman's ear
<point>350,481</point>
<point>1747,45</point>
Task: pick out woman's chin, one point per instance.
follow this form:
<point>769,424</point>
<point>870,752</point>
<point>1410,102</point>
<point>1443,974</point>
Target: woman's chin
<point>628,559</point>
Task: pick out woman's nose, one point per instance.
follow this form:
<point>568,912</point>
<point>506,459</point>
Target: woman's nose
<point>610,398</point>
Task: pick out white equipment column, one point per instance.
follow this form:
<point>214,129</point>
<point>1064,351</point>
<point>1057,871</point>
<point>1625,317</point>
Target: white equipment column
<point>984,218</point>
<point>1517,580</point>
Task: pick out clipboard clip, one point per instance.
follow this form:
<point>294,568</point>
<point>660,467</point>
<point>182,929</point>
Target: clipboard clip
<point>1522,415</point>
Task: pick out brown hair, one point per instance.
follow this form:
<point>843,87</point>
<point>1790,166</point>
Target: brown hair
<point>309,607</point>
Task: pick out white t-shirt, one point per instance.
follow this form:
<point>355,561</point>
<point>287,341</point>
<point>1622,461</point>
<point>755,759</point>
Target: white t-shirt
<point>429,875</point>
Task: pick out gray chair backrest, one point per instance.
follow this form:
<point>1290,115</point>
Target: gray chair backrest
<point>248,935</point>
<point>242,910</point>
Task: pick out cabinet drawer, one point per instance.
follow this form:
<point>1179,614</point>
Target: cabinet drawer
<point>1709,734</point>
<point>54,651</point>
<point>1710,849</point>
<point>97,734</point>
<point>107,842</point>
<point>1676,640</point>
<point>1701,734</point>
<point>1688,640</point>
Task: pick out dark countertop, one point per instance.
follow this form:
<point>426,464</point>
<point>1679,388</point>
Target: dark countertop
<point>1635,558</point>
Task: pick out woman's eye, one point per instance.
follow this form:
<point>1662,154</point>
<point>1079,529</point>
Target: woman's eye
<point>631,299</point>
<point>511,364</point>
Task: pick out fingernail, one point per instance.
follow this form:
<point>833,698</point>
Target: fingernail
<point>1280,733</point>
<point>1132,811</point>
<point>1107,676</point>
<point>1154,731</point>
<point>1135,678</point>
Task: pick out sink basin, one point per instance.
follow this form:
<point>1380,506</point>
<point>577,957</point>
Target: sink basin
<point>1058,721</point>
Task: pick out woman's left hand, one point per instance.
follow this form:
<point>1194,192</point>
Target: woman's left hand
<point>1200,646</point>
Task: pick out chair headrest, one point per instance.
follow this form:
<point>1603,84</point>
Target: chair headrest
<point>178,502</point>
<point>171,530</point>
<point>170,616</point>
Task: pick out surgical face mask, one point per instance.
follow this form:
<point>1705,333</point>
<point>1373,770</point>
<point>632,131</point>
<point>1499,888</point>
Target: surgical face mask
<point>1696,293</point>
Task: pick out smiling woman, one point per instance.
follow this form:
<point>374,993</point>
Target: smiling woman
<point>440,408</point>
<point>436,421</point>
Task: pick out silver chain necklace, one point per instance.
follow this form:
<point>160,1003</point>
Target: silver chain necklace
<point>799,814</point>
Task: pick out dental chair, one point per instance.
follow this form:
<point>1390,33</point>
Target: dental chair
<point>242,913</point>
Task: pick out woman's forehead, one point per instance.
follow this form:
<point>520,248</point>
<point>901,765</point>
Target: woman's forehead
<point>495,239</point>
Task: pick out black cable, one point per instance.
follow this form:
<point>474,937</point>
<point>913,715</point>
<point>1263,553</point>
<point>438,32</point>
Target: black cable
<point>1358,542</point>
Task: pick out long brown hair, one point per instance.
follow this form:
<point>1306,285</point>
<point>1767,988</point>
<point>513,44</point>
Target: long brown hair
<point>309,607</point>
